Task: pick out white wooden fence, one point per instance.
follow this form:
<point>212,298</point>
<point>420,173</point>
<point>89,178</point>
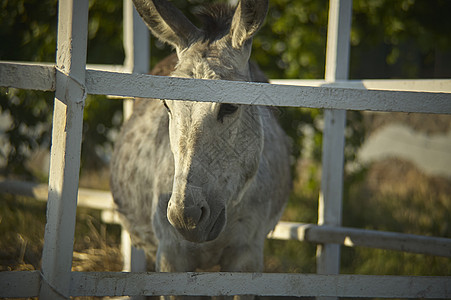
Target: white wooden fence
<point>72,80</point>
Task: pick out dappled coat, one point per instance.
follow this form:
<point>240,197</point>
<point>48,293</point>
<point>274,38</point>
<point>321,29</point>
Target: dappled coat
<point>200,184</point>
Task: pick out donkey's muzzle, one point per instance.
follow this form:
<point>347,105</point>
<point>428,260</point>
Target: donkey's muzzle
<point>196,223</point>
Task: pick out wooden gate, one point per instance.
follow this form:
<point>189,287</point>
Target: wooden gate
<point>72,80</point>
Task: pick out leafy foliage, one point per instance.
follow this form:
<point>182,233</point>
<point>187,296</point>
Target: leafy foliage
<point>29,126</point>
<point>30,28</point>
<point>402,38</point>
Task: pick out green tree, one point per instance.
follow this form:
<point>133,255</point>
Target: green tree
<point>29,29</point>
<point>28,32</point>
<point>390,39</point>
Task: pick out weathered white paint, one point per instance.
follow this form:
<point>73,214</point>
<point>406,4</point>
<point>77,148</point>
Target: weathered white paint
<point>332,168</point>
<point>62,198</point>
<point>117,284</point>
<point>126,248</point>
<point>136,46</point>
<point>41,76</point>
<point>134,258</point>
<point>299,285</point>
<point>0,66</point>
<point>284,230</point>
<point>412,85</point>
<point>354,237</point>
<point>86,197</point>
<point>70,95</point>
<point>338,95</point>
<point>351,237</point>
<point>331,193</point>
<point>136,41</point>
<point>160,87</point>
<point>112,217</point>
<point>137,54</point>
<point>28,76</point>
<point>338,40</point>
<point>417,85</point>
<point>20,284</point>
<point>109,68</point>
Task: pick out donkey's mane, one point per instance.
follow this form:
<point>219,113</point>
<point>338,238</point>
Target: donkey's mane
<point>216,20</point>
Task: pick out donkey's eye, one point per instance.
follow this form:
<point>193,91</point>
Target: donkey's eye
<point>226,109</point>
<point>166,106</point>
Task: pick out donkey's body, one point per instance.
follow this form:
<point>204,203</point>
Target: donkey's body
<point>202,184</point>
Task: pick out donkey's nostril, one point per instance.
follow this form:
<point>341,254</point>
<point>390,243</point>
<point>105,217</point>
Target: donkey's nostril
<point>187,217</point>
<point>192,216</point>
<point>205,213</point>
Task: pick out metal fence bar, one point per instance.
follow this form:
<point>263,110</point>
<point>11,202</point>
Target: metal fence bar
<point>70,94</point>
<point>331,193</point>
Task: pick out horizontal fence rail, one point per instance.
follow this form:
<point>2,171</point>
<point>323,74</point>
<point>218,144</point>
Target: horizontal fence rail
<point>411,85</point>
<point>20,73</point>
<point>229,284</point>
<point>138,85</point>
<point>360,95</point>
<point>86,197</point>
<point>72,80</point>
<point>350,237</point>
<point>161,87</point>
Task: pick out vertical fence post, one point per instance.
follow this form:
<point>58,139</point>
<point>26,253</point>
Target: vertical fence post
<point>137,51</point>
<point>330,200</point>
<point>70,95</point>
<point>136,46</point>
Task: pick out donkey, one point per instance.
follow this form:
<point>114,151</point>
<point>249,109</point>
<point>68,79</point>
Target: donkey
<point>199,184</point>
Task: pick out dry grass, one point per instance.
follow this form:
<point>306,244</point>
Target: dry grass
<point>391,195</point>
<point>22,223</point>
<point>396,196</point>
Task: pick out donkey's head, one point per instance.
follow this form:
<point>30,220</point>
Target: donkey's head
<point>216,147</point>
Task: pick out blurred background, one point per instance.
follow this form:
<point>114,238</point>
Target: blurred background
<point>398,165</point>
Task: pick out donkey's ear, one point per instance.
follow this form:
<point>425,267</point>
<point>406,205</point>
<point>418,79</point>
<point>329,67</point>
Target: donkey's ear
<point>247,20</point>
<point>167,23</point>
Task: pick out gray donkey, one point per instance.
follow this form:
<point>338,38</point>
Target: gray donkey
<point>201,184</point>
